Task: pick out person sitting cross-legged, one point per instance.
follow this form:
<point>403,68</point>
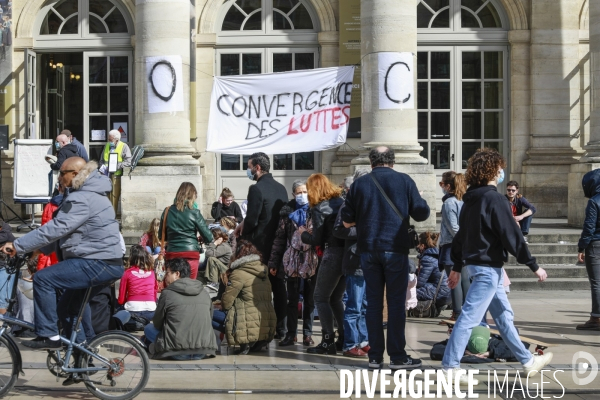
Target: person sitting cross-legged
<point>181,328</point>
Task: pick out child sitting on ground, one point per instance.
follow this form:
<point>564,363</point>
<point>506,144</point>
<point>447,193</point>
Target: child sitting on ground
<point>429,274</point>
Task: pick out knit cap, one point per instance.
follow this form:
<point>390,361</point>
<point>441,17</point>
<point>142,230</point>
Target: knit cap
<point>478,342</point>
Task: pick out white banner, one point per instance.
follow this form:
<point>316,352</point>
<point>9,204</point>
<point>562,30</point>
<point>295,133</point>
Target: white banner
<point>282,113</point>
<point>396,81</point>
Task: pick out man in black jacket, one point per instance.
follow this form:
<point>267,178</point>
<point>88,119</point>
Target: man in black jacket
<point>265,200</point>
<point>65,150</point>
<point>383,243</point>
<point>487,232</point>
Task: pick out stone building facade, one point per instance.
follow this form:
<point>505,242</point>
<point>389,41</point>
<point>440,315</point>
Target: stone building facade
<point>511,74</point>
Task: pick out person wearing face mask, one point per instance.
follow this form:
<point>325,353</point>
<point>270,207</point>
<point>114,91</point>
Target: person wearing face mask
<point>265,200</point>
<point>454,187</point>
<point>291,217</point>
<point>123,152</point>
<point>81,151</point>
<point>64,150</point>
<point>487,234</point>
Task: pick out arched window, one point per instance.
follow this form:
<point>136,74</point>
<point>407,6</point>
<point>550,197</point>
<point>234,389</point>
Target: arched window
<point>264,36</point>
<point>458,14</point>
<point>249,15</point>
<point>462,80</point>
<point>83,20</point>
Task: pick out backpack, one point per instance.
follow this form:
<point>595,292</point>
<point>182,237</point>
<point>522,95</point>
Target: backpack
<point>136,154</point>
<point>299,259</point>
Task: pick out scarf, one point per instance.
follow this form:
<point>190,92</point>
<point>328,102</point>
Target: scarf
<point>299,216</point>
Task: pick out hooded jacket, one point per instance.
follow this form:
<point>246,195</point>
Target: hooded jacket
<point>84,225</point>
<point>591,225</point>
<point>323,218</point>
<point>248,302</point>
<point>429,277</point>
<point>488,231</point>
<point>184,317</point>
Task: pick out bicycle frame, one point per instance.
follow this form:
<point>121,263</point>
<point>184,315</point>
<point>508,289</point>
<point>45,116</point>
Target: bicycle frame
<point>7,319</point>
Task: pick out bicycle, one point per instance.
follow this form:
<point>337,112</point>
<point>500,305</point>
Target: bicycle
<point>113,365</point>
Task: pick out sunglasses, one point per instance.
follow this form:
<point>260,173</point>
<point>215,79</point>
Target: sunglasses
<point>511,190</point>
<point>66,171</point>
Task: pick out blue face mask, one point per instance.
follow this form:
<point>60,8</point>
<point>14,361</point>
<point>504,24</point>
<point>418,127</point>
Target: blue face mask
<point>302,199</point>
<point>444,191</point>
<point>501,177</point>
<point>250,174</point>
<point>57,145</point>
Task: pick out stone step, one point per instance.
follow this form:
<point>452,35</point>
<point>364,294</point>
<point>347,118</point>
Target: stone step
<point>553,248</point>
<point>519,284</point>
<point>554,238</point>
<point>554,271</point>
<point>550,259</point>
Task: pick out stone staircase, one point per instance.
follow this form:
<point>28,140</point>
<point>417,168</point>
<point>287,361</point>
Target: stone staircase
<point>557,254</point>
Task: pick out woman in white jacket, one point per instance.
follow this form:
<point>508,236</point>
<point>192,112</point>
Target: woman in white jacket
<point>454,187</point>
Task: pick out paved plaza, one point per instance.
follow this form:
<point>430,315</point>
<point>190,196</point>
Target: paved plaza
<point>290,373</point>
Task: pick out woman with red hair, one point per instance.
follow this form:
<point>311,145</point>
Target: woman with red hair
<point>325,201</point>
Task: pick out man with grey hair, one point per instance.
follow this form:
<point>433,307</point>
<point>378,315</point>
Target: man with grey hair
<point>380,206</point>
<point>81,151</point>
<point>115,146</point>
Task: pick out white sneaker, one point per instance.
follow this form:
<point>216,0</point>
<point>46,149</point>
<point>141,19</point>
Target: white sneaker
<point>464,378</point>
<point>539,362</point>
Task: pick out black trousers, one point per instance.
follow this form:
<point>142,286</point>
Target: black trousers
<point>279,303</point>
<point>308,311</point>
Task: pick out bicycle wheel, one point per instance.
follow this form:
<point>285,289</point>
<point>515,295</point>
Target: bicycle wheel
<point>129,374</point>
<point>8,366</point>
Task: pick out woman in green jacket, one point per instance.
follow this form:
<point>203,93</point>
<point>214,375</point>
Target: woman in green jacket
<point>183,223</point>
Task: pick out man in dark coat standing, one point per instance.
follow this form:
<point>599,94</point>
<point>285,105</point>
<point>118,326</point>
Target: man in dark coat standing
<point>265,200</point>
<point>65,150</point>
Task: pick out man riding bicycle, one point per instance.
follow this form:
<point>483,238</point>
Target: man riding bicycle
<point>85,236</point>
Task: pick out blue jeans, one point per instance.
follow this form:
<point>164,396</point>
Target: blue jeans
<point>218,320</point>
<point>154,251</point>
<point>71,274</point>
<point>386,270</point>
<point>486,293</point>
<point>355,324</point>
<point>68,309</point>
<point>5,287</point>
<point>152,333</point>
<point>525,224</point>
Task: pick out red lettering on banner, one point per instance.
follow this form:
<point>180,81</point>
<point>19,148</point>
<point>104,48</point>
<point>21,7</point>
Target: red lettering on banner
<point>340,116</point>
<point>291,130</point>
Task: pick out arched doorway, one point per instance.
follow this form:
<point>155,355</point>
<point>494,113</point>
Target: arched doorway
<point>79,72</point>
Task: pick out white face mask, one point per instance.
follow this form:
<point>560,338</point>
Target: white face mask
<point>302,199</point>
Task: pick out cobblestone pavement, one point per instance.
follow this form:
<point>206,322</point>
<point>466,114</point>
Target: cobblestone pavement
<point>290,373</point>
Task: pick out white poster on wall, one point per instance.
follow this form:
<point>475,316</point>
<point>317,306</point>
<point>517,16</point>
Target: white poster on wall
<point>282,113</point>
<point>122,128</point>
<point>164,75</point>
<point>396,81</point>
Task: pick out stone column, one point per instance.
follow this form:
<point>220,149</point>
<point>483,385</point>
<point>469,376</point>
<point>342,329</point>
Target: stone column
<point>591,160</point>
<point>554,89</point>
<point>162,29</point>
<point>391,26</point>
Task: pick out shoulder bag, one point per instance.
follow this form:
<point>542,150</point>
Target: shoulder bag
<point>413,236</point>
<point>159,263</point>
<point>427,308</point>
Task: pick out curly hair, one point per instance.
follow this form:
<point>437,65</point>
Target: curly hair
<point>320,188</point>
<point>218,233</point>
<point>483,166</point>
<point>429,239</point>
